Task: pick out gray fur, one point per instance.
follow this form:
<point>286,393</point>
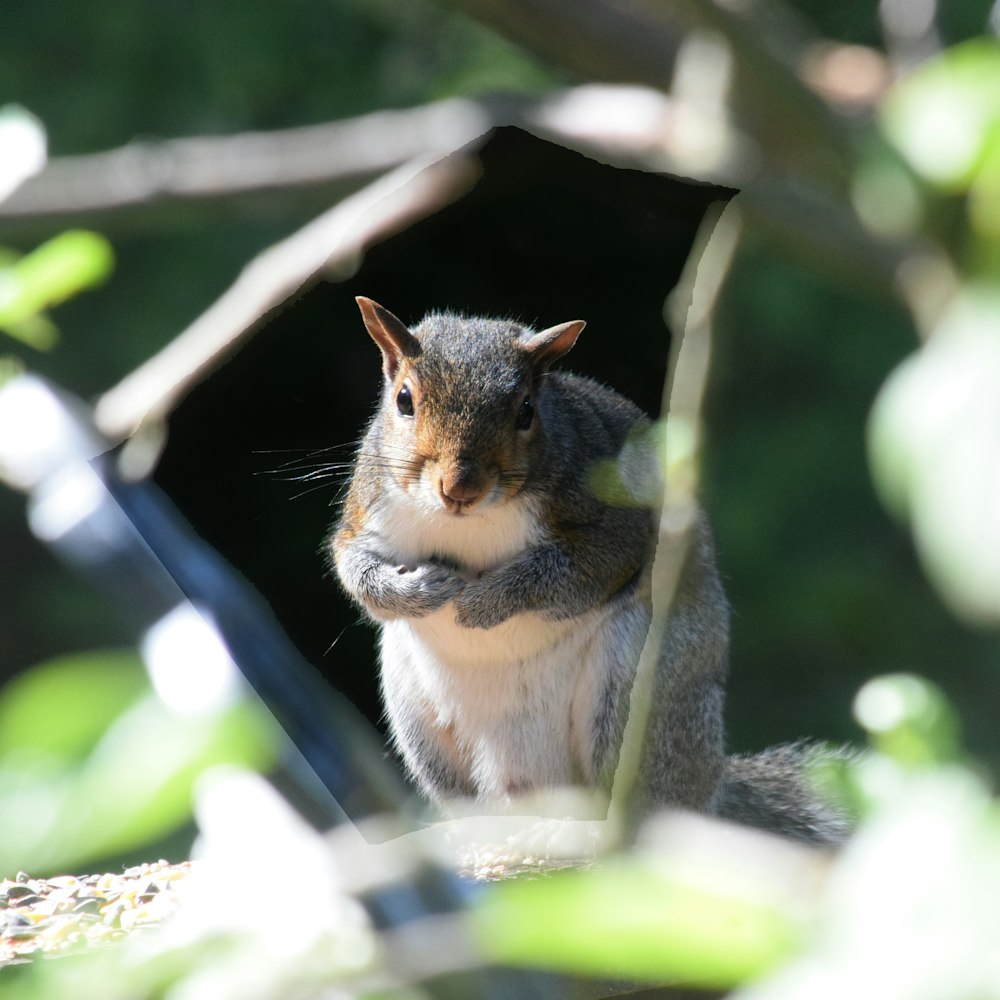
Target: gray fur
<point>772,790</point>
<point>398,591</point>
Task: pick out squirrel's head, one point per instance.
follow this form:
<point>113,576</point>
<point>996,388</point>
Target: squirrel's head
<point>461,405</point>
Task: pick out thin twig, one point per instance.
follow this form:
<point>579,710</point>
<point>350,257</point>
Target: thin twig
<point>693,307</point>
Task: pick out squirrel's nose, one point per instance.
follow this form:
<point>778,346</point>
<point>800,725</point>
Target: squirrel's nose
<point>461,489</point>
<point>460,492</point>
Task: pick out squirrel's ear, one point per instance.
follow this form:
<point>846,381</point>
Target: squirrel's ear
<point>550,345</point>
<point>390,333</point>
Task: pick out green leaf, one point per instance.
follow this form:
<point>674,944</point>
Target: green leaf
<point>55,271</point>
<point>62,707</point>
<point>633,478</point>
<point>38,332</point>
<point>91,763</point>
<point>908,719</point>
<point>10,369</point>
<point>934,438</point>
<point>637,921</point>
<point>144,769</point>
<point>945,117</point>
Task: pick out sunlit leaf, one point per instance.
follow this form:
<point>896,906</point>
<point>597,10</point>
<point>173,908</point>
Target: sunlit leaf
<point>910,905</point>
<point>143,770</point>
<point>945,117</point>
<point>908,719</point>
<point>91,763</point>
<point>635,921</point>
<point>934,440</point>
<point>55,271</point>
<point>36,331</point>
<point>10,369</point>
<point>633,478</point>
<point>63,706</point>
<point>886,196</point>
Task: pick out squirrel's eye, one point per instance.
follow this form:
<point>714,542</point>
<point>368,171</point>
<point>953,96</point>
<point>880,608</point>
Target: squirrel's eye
<point>404,402</point>
<point>524,415</point>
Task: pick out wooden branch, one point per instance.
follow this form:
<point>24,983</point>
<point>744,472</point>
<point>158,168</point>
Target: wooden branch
<point>625,120</point>
<point>146,172</point>
<point>634,42</point>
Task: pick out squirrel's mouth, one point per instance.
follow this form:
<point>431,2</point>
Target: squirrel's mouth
<point>457,507</point>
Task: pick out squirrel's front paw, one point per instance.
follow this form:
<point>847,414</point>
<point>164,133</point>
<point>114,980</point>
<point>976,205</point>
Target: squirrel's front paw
<point>426,587</point>
<point>476,607</point>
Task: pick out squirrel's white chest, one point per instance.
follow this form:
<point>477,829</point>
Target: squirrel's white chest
<point>414,531</point>
<point>504,710</point>
<point>508,695</point>
<point>518,702</point>
<point>474,543</point>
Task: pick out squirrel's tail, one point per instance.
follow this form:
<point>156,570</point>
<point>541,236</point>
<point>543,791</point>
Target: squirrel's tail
<point>774,790</point>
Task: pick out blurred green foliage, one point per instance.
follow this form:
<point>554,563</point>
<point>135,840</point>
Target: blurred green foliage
<point>188,68</point>
<point>909,720</point>
<point>58,269</point>
<point>858,23</point>
<point>827,591</point>
<point>655,918</point>
<point>935,431</point>
<point>803,537</point>
<point>93,765</point>
<point>906,911</point>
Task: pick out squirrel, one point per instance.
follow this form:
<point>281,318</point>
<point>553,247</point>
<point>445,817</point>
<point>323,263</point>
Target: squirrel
<point>513,591</point>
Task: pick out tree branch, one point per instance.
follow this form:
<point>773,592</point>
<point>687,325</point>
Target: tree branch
<point>627,121</point>
<point>209,166</point>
